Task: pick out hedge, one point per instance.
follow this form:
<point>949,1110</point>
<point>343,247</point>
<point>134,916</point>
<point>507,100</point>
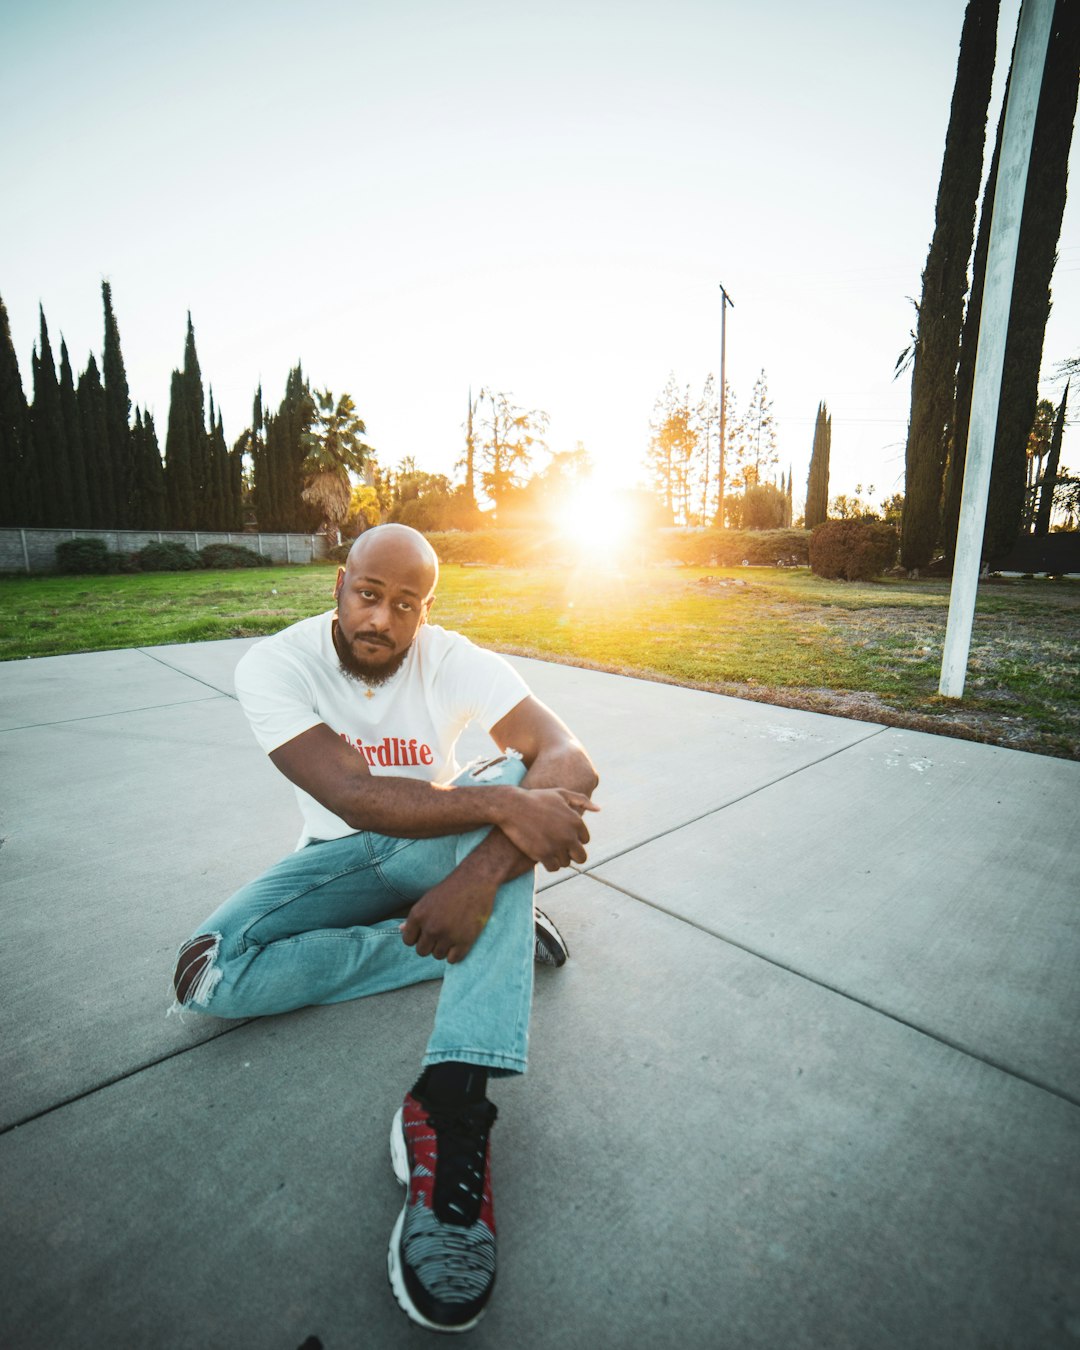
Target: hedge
<point>83,556</point>
<point>544,548</point>
<point>853,550</point>
<point>731,548</point>
<point>232,555</point>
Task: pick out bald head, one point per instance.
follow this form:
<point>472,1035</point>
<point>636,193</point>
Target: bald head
<point>383,595</point>
<point>398,548</point>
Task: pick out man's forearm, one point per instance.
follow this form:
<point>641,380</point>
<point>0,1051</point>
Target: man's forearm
<point>408,808</point>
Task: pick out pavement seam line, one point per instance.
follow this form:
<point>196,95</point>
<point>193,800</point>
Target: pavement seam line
<point>228,693</point>
<point>964,1050</point>
<point>117,712</point>
<point>733,801</point>
<point>119,1078</point>
<point>162,1059</point>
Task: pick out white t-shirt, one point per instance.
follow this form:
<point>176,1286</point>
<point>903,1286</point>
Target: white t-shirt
<point>292,681</point>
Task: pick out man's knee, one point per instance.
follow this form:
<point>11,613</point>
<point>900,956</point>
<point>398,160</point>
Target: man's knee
<point>507,769</point>
<point>197,970</point>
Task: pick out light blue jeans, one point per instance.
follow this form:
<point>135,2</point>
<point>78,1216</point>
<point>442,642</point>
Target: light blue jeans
<point>316,928</point>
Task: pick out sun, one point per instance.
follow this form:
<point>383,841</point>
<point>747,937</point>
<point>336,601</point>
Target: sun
<point>595,518</point>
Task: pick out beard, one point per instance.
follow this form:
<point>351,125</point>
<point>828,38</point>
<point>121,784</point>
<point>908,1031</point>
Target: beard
<point>366,672</point>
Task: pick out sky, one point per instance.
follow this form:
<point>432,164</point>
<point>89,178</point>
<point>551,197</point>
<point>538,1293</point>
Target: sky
<point>416,197</point>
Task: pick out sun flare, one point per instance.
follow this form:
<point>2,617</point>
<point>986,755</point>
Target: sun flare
<point>595,518</point>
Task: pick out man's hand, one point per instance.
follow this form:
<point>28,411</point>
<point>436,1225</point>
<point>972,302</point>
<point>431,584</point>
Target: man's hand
<point>547,824</point>
<point>449,918</point>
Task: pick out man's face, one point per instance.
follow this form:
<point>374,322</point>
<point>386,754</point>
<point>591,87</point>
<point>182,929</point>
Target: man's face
<point>383,596</point>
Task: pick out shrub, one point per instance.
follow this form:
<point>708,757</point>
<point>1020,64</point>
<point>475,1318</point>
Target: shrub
<point>167,556</point>
<point>853,550</point>
<point>761,507</point>
<point>512,548</point>
<point>731,548</point>
<point>231,555</point>
<point>82,556</point>
<point>338,553</point>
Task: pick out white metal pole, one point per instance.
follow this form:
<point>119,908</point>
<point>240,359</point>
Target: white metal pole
<point>1025,85</point>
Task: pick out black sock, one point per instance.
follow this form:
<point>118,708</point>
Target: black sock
<point>452,1084</point>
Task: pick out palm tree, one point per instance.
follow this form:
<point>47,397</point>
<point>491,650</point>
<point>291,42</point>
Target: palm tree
<point>334,450</point>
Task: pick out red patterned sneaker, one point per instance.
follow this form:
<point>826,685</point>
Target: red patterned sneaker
<point>442,1250</point>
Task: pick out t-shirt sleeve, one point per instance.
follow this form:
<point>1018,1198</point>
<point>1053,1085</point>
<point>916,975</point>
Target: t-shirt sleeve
<point>275,696</point>
<point>476,685</point>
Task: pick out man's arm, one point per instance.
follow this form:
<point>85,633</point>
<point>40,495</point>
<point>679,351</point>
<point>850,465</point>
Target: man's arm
<point>545,825</point>
<point>450,917</point>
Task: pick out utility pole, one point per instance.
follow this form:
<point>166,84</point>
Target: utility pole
<point>470,489</point>
<point>725,301</point>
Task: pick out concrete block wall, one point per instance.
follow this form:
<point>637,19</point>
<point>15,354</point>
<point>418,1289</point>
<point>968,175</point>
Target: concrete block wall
<point>35,550</point>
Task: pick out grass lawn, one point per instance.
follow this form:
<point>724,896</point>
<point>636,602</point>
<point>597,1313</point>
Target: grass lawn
<point>864,650</point>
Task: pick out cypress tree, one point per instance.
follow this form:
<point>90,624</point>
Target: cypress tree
<point>236,484</point>
<point>69,414</point>
<point>178,475</point>
<point>1044,206</point>
<point>262,498</point>
<point>220,512</point>
<point>155,473</point>
<point>286,451</point>
<point>817,482</point>
<point>1030,306</point>
<point>16,497</point>
<point>117,417</point>
<point>149,502</point>
<point>48,439</point>
<point>211,497</point>
<point>136,506</point>
<point>937,340</point>
<point>969,342</point>
<point>198,440</point>
<point>273,475</point>
<point>99,476</point>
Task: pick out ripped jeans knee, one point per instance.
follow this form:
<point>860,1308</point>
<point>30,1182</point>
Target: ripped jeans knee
<point>507,768</point>
<point>197,971</point>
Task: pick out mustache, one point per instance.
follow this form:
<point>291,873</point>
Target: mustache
<point>372,637</point>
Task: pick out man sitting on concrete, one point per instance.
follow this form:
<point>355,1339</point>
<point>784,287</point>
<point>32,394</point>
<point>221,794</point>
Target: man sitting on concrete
<point>360,709</point>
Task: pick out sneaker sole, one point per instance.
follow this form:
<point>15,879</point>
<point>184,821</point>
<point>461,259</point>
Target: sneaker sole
<point>399,1159</point>
<point>545,931</point>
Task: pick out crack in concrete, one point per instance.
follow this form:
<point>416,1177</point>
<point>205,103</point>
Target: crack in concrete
<point>228,693</point>
<point>117,712</point>
<point>917,1027</point>
<point>120,1078</point>
<point>731,801</point>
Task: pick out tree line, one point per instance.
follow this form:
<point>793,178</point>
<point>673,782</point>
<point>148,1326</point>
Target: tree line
<point>72,456</point>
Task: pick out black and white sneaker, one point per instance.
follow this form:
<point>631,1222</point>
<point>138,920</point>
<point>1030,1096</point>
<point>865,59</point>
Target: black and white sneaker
<point>551,948</point>
<point>441,1261</point>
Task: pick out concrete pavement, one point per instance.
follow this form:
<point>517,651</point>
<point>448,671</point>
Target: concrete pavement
<point>811,1078</point>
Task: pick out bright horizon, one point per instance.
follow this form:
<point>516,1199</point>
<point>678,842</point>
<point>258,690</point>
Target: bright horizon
<point>418,199</point>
